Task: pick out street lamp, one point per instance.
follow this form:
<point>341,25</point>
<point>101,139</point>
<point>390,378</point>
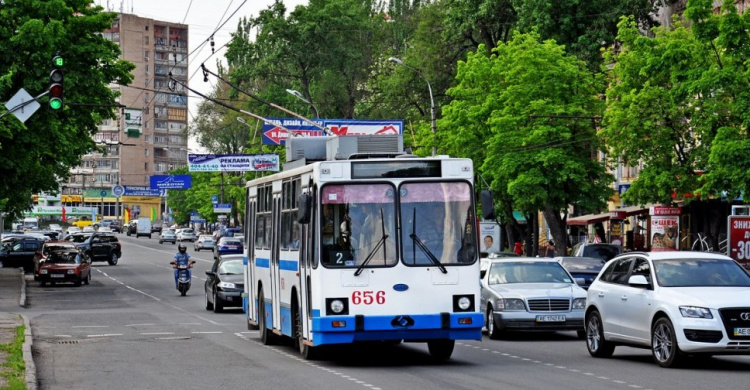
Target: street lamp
<point>429,88</point>
<point>299,96</point>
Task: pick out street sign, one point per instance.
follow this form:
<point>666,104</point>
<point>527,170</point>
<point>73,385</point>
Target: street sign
<point>172,182</point>
<point>738,239</point>
<point>26,110</point>
<point>223,208</point>
<point>118,191</point>
<point>103,193</point>
<point>215,199</point>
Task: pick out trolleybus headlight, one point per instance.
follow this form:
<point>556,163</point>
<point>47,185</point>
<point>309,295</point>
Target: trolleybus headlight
<point>464,303</point>
<point>337,306</point>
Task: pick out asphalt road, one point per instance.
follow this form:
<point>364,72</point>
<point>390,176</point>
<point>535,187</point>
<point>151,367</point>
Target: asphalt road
<point>130,329</point>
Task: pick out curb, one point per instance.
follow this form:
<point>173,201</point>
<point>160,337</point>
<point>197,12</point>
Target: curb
<point>22,301</point>
<point>28,340</point>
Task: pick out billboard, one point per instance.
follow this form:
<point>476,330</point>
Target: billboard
<point>489,237</point>
<point>274,135</point>
<point>233,162</point>
<point>171,182</point>
<point>738,244</point>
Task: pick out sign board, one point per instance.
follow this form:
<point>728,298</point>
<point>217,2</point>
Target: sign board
<point>738,240</point>
<point>274,135</point>
<point>141,191</point>
<point>57,210</point>
<point>489,235</point>
<point>665,233</point>
<point>233,162</point>
<point>663,210</point>
<point>118,191</point>
<point>24,105</point>
<point>223,208</point>
<point>215,199</point>
<point>133,122</point>
<point>172,182</point>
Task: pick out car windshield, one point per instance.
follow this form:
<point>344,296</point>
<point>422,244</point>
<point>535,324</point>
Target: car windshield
<point>231,242</point>
<point>579,264</point>
<point>528,272</point>
<point>64,258</point>
<point>231,267</point>
<point>206,238</point>
<point>604,252</point>
<point>187,231</point>
<point>78,237</point>
<point>700,272</point>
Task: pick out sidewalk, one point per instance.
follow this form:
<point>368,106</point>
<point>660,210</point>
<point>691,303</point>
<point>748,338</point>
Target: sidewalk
<point>12,303</point>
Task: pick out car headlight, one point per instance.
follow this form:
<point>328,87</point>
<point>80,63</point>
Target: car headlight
<point>226,285</point>
<point>337,306</point>
<point>579,303</point>
<point>510,304</point>
<point>695,312</point>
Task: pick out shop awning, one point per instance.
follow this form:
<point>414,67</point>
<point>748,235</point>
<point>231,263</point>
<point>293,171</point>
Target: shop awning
<point>635,210</point>
<point>588,219</point>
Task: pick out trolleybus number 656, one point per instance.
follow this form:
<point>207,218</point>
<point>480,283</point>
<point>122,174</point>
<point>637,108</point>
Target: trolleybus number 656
<point>368,297</point>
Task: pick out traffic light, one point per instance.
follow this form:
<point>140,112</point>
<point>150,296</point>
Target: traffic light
<point>56,82</point>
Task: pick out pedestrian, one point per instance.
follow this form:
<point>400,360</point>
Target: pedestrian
<point>518,249</point>
<point>551,248</point>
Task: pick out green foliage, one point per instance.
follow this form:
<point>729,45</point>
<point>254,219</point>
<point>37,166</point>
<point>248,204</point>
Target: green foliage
<point>36,154</point>
<point>524,115</point>
<point>16,368</point>
<point>198,197</point>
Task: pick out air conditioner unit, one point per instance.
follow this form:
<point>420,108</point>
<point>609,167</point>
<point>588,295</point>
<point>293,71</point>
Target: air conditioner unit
<point>145,59</point>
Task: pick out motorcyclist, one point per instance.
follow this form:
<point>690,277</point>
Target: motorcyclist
<point>181,258</point>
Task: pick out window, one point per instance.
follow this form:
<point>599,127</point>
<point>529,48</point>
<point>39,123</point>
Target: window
<point>618,271</point>
<point>145,168</point>
<point>263,218</point>
<point>290,229</point>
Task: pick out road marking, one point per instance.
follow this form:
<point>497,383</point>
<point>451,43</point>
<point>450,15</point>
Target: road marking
<point>90,326</point>
<point>104,335</point>
<point>206,332</point>
<point>156,333</point>
<point>140,325</point>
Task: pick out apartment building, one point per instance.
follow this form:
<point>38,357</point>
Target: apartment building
<point>149,135</point>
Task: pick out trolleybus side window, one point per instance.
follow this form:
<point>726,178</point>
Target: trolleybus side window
<point>263,219</point>
<point>289,225</point>
<point>437,223</point>
<point>358,225</point>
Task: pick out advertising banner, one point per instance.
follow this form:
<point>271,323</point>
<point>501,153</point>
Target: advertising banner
<point>223,208</point>
<point>58,210</point>
<point>142,191</point>
<point>489,234</point>
<point>274,135</point>
<point>133,122</point>
<point>233,162</point>
<point>738,240</point>
<point>171,182</point>
<point>665,233</point>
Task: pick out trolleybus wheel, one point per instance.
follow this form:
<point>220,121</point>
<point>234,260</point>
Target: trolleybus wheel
<point>441,349</point>
<point>266,335</point>
<point>307,352</point>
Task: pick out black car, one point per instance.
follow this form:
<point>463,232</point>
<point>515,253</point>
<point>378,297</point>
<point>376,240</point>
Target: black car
<point>132,228</point>
<point>19,251</point>
<point>102,247</point>
<point>225,283</point>
<point>116,226</point>
<point>586,268</point>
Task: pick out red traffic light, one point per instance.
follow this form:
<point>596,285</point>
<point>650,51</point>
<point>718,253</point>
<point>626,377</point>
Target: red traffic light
<point>56,90</point>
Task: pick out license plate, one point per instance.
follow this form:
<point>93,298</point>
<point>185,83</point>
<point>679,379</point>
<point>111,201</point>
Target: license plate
<point>230,298</point>
<point>231,247</point>
<point>56,276</point>
<point>742,331</point>
<point>550,318</point>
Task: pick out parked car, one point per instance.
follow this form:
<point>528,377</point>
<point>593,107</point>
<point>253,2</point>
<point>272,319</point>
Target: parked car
<point>204,241</point>
<point>55,227</point>
<point>167,235</point>
<point>228,245</point>
<point>600,250</point>
<point>186,234</point>
<point>89,229</point>
<point>102,247</point>
<point>41,254</point>
<point>65,266</point>
<point>530,294</point>
<point>673,303</point>
<point>19,251</point>
<point>582,268</point>
<point>225,283</point>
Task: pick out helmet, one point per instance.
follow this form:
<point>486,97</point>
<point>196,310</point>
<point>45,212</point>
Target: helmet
<point>182,248</point>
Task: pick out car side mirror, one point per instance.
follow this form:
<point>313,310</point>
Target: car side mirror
<point>581,281</point>
<point>488,206</point>
<point>210,273</point>
<point>638,281</point>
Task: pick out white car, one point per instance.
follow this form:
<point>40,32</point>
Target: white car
<point>673,303</point>
<point>204,241</point>
<point>530,294</point>
<point>186,234</point>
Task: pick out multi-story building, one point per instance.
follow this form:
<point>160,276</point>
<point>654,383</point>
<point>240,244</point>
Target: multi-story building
<point>149,135</point>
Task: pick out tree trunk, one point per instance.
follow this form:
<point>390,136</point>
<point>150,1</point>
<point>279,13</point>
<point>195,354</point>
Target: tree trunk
<point>557,226</point>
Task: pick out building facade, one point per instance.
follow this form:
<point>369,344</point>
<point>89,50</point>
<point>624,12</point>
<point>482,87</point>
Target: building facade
<point>149,135</point>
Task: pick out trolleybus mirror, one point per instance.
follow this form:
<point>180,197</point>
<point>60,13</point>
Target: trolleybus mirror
<point>303,212</point>
<point>488,207</point>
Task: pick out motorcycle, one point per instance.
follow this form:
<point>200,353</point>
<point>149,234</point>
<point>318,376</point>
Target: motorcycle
<point>183,276</point>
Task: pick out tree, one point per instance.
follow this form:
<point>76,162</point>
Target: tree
<point>37,154</point>
<point>523,114</point>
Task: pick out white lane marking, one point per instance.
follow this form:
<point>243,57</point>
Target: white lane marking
<point>206,332</point>
<point>151,324</point>
<point>63,335</point>
<point>155,333</point>
<point>90,326</point>
<point>311,364</point>
<point>146,294</point>
<point>573,370</point>
<point>104,335</point>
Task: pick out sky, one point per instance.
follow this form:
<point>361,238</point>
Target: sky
<point>203,17</point>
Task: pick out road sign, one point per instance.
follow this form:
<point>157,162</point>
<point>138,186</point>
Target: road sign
<point>118,191</point>
<point>738,242</point>
<point>223,208</point>
<point>103,193</point>
<point>172,182</point>
<point>25,110</point>
<point>215,199</point>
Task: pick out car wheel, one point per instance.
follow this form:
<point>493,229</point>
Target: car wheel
<point>161,242</point>
<point>113,260</point>
<point>441,349</point>
<point>209,305</point>
<point>595,342</point>
<point>196,249</point>
<point>218,307</point>
<point>492,330</point>
<point>664,346</point>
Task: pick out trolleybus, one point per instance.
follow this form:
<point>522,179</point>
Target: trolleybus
<point>371,247</point>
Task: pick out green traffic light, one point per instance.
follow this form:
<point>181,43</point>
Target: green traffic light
<point>58,61</point>
<point>55,104</point>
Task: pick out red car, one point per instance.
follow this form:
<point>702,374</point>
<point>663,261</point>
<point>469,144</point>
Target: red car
<point>65,266</point>
<point>43,251</point>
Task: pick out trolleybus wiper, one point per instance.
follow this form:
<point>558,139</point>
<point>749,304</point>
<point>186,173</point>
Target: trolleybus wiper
<point>422,246</point>
<point>381,242</point>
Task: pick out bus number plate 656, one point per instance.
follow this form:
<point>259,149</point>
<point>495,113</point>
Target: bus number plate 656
<point>368,297</point>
